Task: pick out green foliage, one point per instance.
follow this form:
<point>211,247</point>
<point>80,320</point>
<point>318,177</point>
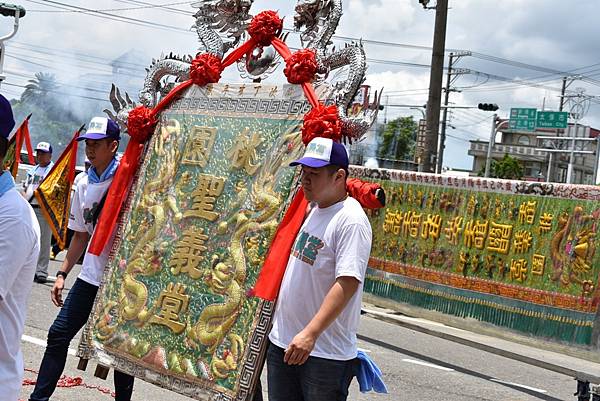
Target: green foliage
<point>397,139</point>
<point>53,112</point>
<point>508,168</point>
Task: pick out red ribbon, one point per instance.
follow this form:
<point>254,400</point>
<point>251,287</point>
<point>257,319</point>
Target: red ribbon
<point>271,274</point>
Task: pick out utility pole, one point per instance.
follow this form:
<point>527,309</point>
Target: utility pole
<point>435,86</point>
<point>453,58</point>
<point>9,10</point>
<point>440,158</point>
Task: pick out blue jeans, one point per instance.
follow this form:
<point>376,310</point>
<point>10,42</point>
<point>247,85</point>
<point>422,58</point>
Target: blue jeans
<point>318,379</point>
<point>72,317</point>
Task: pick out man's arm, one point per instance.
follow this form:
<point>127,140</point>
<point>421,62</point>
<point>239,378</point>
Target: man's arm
<point>76,248</point>
<point>334,303</point>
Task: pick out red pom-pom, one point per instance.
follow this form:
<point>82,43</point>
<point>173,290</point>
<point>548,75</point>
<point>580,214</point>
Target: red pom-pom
<point>140,124</point>
<point>206,69</point>
<point>322,121</point>
<point>264,27</point>
<point>301,67</point>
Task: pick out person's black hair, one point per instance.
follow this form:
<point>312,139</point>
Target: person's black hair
<point>3,149</point>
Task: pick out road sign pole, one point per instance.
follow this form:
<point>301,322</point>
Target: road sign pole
<point>572,153</point>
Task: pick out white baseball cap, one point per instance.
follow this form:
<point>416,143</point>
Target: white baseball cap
<point>44,147</point>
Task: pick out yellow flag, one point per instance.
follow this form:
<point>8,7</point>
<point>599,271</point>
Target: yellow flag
<point>54,192</point>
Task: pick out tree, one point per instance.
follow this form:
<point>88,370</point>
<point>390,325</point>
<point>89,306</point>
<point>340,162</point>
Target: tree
<point>397,139</point>
<point>507,167</point>
<point>39,91</point>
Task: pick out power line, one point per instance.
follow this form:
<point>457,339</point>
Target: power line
<point>149,6</point>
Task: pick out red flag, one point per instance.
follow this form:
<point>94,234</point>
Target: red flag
<point>13,155</point>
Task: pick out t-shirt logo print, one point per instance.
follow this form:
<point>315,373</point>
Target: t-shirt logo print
<point>88,213</point>
<point>307,248</point>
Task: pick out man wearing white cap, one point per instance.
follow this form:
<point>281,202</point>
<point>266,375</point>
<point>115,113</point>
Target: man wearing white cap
<point>19,249</point>
<point>43,155</point>
<point>101,144</point>
<point>312,351</point>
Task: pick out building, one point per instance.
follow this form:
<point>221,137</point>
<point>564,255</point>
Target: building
<point>539,165</point>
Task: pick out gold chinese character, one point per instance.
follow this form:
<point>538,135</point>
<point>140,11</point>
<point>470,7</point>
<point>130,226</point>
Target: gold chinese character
<point>406,217</point>
<point>527,212</point>
<point>499,207</point>
<point>453,229</point>
<point>546,222</point>
<point>204,197</point>
<point>475,233</point>
<point>189,253</point>
<point>432,227</point>
<point>241,90</point>
<point>243,152</point>
<point>172,302</point>
<point>431,200</point>
<point>537,264</point>
<point>415,223</point>
<point>522,241</point>
<point>518,270</point>
<point>471,205</point>
<point>462,262</point>
<point>499,237</point>
<point>273,92</point>
<point>226,89</point>
<point>209,88</point>
<point>199,146</point>
<point>257,87</point>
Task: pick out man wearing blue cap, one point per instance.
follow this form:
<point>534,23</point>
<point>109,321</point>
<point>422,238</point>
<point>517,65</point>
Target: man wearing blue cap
<point>19,249</point>
<point>35,175</point>
<point>312,351</point>
<point>101,144</point>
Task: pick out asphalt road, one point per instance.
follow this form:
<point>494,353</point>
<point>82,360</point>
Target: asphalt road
<point>415,366</point>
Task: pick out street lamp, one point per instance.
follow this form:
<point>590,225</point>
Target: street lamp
<point>9,10</point>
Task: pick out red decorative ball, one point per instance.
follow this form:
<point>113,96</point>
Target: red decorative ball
<point>206,69</point>
<point>301,67</point>
<point>265,26</point>
<point>140,124</point>
<point>323,122</point>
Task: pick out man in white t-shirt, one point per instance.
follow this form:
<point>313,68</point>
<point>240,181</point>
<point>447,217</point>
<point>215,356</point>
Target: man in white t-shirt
<point>312,350</point>
<point>101,144</point>
<point>35,175</point>
<point>19,248</point>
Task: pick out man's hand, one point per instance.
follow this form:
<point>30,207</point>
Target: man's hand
<point>300,348</point>
<point>56,292</point>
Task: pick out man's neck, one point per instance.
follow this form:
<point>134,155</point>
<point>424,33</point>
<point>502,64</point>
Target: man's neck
<point>44,165</point>
<point>102,169</point>
<point>340,198</point>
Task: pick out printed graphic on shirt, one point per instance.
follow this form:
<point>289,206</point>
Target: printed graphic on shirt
<point>306,248</point>
<point>88,213</point>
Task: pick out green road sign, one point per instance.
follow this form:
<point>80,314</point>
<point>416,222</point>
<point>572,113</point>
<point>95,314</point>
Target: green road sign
<point>551,119</point>
<point>522,119</point>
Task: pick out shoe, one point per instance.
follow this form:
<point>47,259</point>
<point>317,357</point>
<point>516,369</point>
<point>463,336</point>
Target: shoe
<point>40,280</point>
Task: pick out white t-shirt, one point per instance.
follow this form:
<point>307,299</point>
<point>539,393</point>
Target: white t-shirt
<point>85,201</point>
<point>19,250</point>
<point>333,242</point>
<point>35,175</point>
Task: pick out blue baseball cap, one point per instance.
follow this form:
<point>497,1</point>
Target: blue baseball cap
<point>7,121</point>
<point>101,128</point>
<point>321,152</point>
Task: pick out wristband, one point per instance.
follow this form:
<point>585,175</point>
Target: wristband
<point>61,274</point>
